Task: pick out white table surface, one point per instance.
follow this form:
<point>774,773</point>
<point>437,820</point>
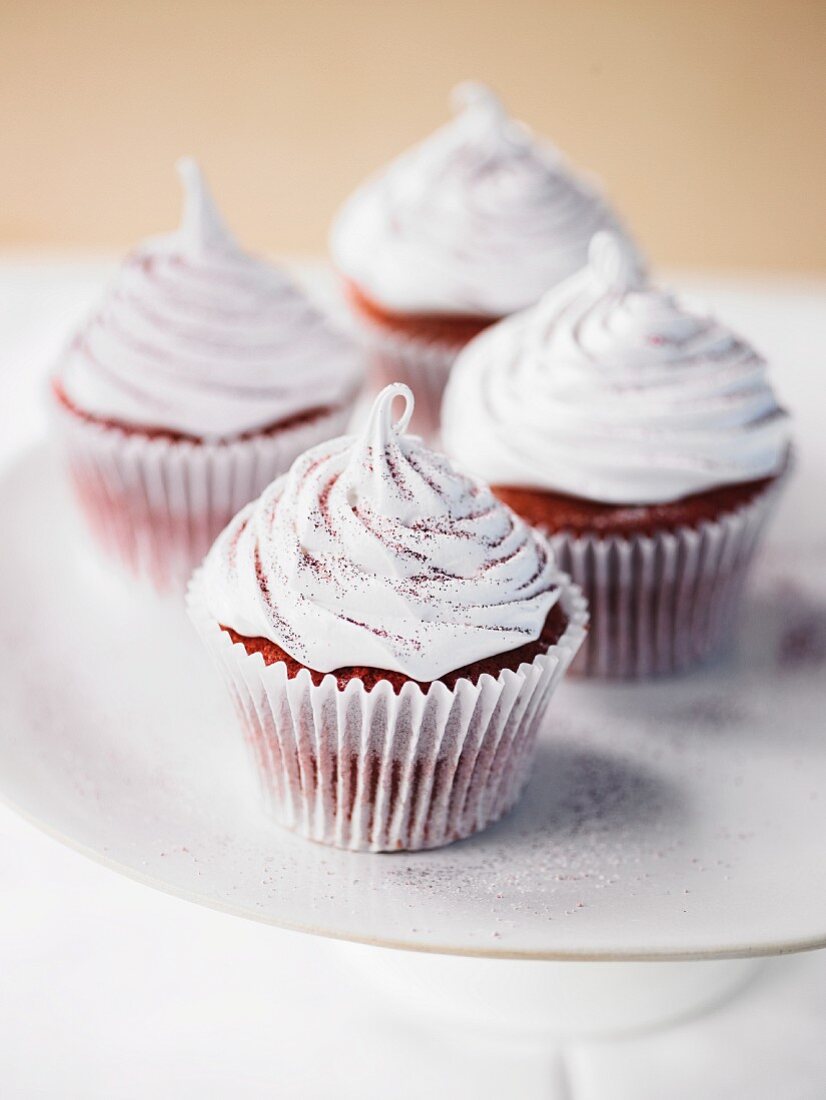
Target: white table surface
<point>109,989</point>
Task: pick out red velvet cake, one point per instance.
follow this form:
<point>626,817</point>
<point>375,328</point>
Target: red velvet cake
<point>201,376</point>
<point>644,439</point>
<point>472,225</point>
<point>390,634</point>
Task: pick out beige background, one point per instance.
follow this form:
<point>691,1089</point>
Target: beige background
<point>705,119</point>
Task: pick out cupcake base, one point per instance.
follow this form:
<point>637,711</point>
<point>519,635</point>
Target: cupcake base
<point>663,585</point>
<point>155,503</point>
<point>394,767</point>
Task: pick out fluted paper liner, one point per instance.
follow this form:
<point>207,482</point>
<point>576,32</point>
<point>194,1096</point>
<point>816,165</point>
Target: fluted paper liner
<point>661,603</point>
<point>380,771</point>
<point>155,505</point>
<point>422,364</point>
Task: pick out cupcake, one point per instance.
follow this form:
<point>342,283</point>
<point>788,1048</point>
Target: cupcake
<point>643,438</point>
<point>391,634</point>
<point>201,376</point>
<point>473,224</point>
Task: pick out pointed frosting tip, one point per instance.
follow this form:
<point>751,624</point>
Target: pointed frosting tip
<point>614,261</point>
<point>189,172</point>
<point>474,95</point>
<point>201,225</point>
<point>381,414</point>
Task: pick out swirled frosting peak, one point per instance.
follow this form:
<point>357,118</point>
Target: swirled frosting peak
<point>614,391</point>
<point>374,551</point>
<point>480,218</point>
<point>199,339</point>
<point>202,228</point>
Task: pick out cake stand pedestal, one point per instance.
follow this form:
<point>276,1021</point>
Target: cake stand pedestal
<point>532,1012</point>
<point>670,836</point>
<point>551,1000</point>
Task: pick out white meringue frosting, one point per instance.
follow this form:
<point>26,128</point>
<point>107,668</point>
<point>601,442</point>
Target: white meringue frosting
<point>374,551</point>
<point>613,391</point>
<point>198,338</point>
<point>481,218</point>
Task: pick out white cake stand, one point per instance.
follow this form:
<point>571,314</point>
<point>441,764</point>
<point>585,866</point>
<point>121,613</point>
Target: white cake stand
<point>681,820</point>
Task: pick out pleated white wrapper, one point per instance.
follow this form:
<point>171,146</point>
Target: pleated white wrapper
<point>156,505</point>
<point>423,365</point>
<point>379,771</point>
<point>662,603</point>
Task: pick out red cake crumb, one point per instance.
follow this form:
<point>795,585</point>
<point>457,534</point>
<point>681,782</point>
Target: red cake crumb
<point>552,631</point>
<point>554,512</point>
<point>455,329</point>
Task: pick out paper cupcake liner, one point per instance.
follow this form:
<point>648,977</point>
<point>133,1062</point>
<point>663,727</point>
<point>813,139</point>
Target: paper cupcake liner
<point>423,365</point>
<point>380,771</point>
<point>662,603</point>
<point>155,506</point>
